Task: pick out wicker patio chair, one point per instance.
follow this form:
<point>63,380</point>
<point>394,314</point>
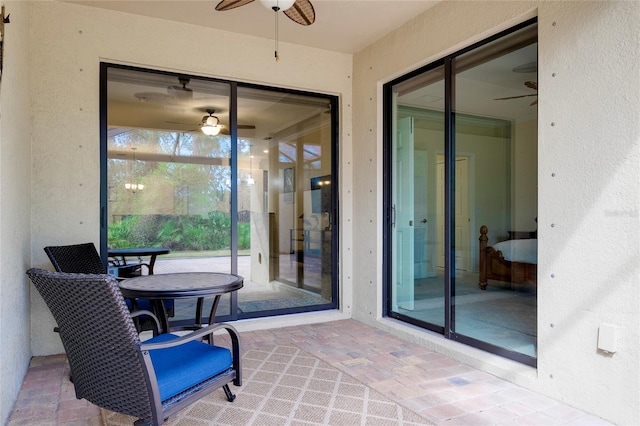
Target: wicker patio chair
<point>84,259</point>
<point>113,369</point>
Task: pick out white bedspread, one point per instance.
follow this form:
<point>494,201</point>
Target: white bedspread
<point>525,251</point>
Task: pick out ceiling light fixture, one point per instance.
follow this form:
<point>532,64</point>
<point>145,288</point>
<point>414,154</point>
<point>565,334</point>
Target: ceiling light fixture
<point>280,4</point>
<point>210,124</point>
<point>299,11</point>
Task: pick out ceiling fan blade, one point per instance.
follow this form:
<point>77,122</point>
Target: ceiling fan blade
<point>231,4</point>
<point>178,122</point>
<point>514,97</point>
<point>302,12</point>
<point>246,126</point>
<point>531,84</point>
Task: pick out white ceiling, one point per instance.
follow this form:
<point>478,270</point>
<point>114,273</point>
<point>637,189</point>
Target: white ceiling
<point>340,26</point>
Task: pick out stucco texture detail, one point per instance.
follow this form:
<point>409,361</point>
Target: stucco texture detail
<point>587,212</point>
<point>70,42</point>
<point>15,193</point>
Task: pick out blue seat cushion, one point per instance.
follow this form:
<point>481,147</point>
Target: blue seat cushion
<point>180,367</point>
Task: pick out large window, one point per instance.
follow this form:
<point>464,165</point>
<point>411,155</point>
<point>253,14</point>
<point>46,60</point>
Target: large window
<point>461,195</point>
<point>253,195</point>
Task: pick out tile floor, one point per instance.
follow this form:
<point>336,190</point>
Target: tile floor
<point>442,390</point>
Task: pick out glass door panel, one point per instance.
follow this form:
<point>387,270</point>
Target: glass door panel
<point>167,180</point>
<point>460,156</point>
<point>239,183</point>
<point>417,290</point>
<point>496,151</point>
<point>285,204</point>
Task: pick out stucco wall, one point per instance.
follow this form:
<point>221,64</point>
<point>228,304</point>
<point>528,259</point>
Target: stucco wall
<point>69,41</point>
<point>15,191</point>
<point>593,150</point>
<point>588,195</point>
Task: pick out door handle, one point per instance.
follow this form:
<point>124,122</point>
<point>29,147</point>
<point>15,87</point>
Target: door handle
<point>393,216</point>
<point>424,221</point>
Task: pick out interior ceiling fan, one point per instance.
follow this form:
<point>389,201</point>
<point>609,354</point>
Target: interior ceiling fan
<point>299,11</point>
<point>530,84</point>
<point>178,92</point>
<point>210,124</point>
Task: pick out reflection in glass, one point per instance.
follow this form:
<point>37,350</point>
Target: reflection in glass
<point>500,143</point>
<point>289,261</point>
<point>418,268</point>
<point>463,158</point>
<point>169,184</point>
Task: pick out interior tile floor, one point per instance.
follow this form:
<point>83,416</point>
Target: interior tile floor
<point>440,389</point>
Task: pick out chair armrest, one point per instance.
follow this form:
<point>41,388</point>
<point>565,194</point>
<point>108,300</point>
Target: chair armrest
<point>158,327</point>
<point>198,335</point>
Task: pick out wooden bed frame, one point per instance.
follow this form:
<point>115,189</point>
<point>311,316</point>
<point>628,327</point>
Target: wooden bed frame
<point>493,266</point>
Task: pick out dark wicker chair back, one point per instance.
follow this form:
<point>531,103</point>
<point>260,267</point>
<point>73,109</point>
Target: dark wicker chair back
<point>76,258</point>
<point>84,259</point>
<point>99,338</point>
<point>111,368</point>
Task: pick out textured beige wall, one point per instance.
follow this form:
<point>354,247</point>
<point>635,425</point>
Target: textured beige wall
<point>69,41</point>
<point>15,187</point>
<point>593,150</point>
<point>588,211</point>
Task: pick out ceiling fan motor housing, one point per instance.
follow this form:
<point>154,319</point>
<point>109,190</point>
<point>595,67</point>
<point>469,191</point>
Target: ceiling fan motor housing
<point>277,5</point>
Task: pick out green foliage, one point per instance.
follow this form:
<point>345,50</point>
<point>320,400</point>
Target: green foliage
<point>119,233</point>
<point>180,233</point>
<point>244,236</point>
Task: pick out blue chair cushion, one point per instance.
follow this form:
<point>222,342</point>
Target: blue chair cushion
<point>181,367</point>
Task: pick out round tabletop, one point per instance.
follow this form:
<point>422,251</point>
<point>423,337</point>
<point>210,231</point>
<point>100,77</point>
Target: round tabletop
<point>181,284</point>
<point>141,251</point>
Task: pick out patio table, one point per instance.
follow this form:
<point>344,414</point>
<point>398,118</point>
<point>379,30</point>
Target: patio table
<point>153,252</point>
<point>178,286</point>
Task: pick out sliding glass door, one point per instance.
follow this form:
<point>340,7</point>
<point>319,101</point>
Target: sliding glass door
<point>417,225</point>
<point>461,150</point>
<point>231,178</point>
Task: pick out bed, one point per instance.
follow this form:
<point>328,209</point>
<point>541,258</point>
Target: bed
<point>514,260</point>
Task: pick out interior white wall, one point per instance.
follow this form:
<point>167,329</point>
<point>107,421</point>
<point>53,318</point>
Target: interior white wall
<point>69,41</point>
<point>524,176</point>
<point>15,192</point>
<point>589,197</point>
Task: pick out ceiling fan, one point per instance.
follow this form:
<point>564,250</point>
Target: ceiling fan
<point>530,84</point>
<point>178,92</point>
<point>299,11</point>
<point>210,124</point>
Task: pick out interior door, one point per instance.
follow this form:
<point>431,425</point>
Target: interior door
<point>403,206</point>
<point>462,214</point>
<point>422,266</point>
